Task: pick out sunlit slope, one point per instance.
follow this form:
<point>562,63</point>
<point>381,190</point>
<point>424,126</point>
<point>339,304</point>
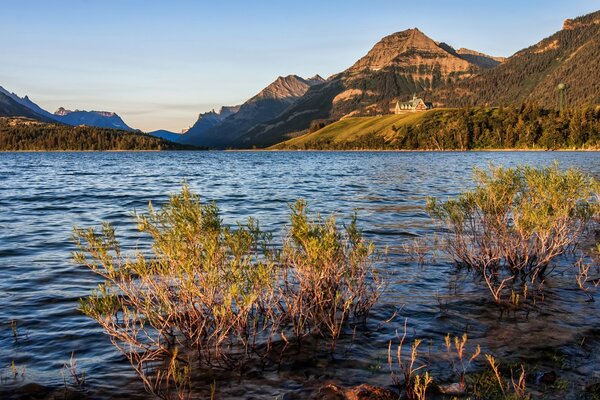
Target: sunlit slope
<point>354,130</point>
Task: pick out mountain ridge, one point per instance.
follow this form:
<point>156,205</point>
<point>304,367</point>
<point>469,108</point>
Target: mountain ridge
<point>397,66</point>
<point>100,119</point>
<point>533,73</point>
<point>265,105</point>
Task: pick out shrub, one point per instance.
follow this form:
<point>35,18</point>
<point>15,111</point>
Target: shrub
<point>216,296</point>
<point>329,275</point>
<point>516,221</point>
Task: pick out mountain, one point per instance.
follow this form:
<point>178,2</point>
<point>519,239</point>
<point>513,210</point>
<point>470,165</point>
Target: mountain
<point>206,121</point>
<point>26,102</point>
<point>570,56</point>
<point>11,108</point>
<point>100,119</point>
<point>397,66</point>
<point>480,59</point>
<point>215,131</point>
<point>167,135</point>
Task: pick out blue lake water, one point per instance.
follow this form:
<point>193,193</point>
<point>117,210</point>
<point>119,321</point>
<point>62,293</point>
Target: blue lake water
<point>43,195</point>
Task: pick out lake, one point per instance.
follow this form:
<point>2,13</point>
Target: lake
<point>43,195</point>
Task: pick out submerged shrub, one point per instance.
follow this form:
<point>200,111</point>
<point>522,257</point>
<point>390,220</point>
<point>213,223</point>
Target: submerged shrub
<point>516,221</point>
<point>329,274</point>
<point>205,288</point>
<point>216,296</point>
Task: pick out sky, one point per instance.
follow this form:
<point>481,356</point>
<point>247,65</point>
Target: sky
<point>158,64</point>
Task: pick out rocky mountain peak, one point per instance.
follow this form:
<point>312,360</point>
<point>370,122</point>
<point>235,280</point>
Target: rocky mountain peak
<point>62,112</point>
<point>315,80</point>
<point>411,43</point>
<point>284,87</point>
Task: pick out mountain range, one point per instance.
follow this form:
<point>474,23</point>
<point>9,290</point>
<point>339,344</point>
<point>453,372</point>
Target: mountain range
<point>398,66</point>
<point>231,123</point>
<point>13,105</point>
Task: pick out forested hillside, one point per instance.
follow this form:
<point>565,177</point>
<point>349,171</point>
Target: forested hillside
<point>18,134</point>
<point>571,57</point>
<point>512,127</point>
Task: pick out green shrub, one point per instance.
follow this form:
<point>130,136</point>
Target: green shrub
<point>516,221</point>
<point>218,297</point>
<point>329,274</point>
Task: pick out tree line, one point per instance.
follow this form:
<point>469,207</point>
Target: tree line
<point>35,136</point>
<point>511,127</point>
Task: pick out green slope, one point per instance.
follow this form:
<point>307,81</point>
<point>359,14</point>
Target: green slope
<point>354,130</point>
<point>511,127</point>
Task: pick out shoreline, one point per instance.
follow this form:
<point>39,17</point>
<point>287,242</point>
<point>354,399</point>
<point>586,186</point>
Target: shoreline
<point>314,151</point>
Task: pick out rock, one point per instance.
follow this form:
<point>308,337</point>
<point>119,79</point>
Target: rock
<point>368,392</point>
<point>361,392</point>
<point>593,388</point>
<point>329,392</point>
<point>547,378</point>
<point>453,389</point>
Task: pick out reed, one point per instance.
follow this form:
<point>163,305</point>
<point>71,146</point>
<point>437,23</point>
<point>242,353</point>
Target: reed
<point>405,367</point>
<point>456,354</point>
<point>516,388</point>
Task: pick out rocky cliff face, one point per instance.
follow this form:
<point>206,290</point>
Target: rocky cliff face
<point>411,50</point>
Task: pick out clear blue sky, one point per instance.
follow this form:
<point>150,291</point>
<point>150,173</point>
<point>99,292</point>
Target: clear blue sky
<point>160,63</point>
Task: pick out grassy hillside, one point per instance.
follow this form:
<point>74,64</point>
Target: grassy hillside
<point>512,127</point>
<point>353,130</point>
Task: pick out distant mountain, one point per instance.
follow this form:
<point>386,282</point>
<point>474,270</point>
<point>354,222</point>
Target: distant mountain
<point>26,102</point>
<point>11,108</point>
<point>396,67</point>
<point>215,131</point>
<point>100,119</point>
<point>474,57</point>
<point>571,56</point>
<point>206,121</point>
<point>167,135</point>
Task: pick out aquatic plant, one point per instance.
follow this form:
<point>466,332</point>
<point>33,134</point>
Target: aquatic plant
<point>515,221</point>
<point>404,369</point>
<point>516,388</point>
<point>205,288</point>
<point>457,355</point>
<point>78,378</point>
<point>585,282</point>
<point>328,275</point>
<point>217,297</point>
